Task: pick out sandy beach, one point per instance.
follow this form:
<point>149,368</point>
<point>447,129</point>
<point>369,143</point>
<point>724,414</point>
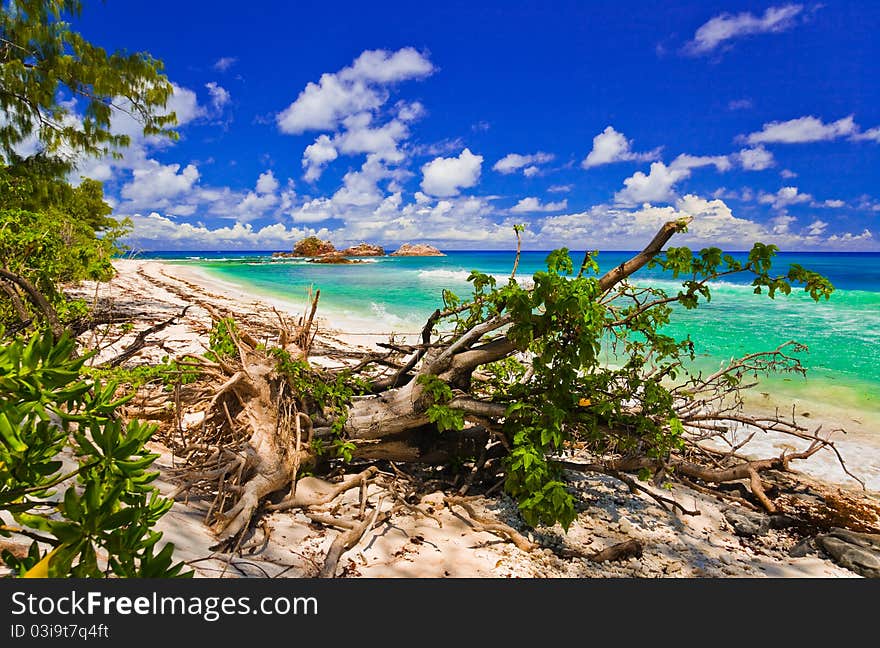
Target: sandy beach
<point>441,543</point>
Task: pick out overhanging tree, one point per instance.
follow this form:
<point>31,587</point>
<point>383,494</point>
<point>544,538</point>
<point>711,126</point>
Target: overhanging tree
<point>58,96</point>
<point>45,63</point>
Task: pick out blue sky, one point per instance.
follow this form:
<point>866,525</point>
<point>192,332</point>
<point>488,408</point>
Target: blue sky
<point>590,122</point>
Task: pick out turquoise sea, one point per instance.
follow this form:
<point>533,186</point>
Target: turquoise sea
<point>398,293</point>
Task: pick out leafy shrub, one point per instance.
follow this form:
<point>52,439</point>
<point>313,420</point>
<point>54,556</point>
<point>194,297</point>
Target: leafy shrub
<point>103,522</point>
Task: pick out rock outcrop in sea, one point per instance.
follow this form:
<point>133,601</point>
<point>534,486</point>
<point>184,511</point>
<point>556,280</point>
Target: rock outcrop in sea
<point>417,249</point>
<point>311,246</point>
<point>363,250</point>
<point>334,257</point>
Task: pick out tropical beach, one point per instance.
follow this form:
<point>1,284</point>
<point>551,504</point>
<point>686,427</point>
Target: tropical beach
<point>679,546</point>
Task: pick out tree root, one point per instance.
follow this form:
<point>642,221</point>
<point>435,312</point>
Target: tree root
<point>481,523</point>
<point>309,491</point>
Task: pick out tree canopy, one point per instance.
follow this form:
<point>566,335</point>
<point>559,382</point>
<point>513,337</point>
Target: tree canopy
<point>47,70</point>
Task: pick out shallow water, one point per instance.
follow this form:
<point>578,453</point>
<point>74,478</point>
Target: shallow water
<point>398,293</point>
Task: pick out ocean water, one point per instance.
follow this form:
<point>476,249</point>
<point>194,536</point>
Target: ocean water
<point>397,294</point>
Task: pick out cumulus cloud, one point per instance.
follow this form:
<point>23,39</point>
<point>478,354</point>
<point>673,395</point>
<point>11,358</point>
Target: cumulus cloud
<point>219,95</point>
<point>513,162</point>
<point>802,130</point>
<point>267,183</point>
<point>872,134</point>
<point>153,184</point>
<point>658,184</point>
<point>611,146</point>
<point>817,227</point>
<point>318,155</point>
<point>531,205</point>
<point>784,197</point>
<point>447,176</point>
<point>755,159</point>
<point>156,231</point>
<point>849,237</point>
<point>362,86</point>
<point>727,27</point>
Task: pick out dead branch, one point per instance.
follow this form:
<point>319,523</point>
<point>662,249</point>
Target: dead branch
<point>141,340</point>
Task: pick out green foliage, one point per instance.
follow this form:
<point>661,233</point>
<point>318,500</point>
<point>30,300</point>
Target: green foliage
<point>328,394</point>
<point>48,236</point>
<point>443,416</point>
<point>45,64</point>
<point>108,503</point>
<point>167,373</point>
<point>221,340</point>
<point>570,393</point>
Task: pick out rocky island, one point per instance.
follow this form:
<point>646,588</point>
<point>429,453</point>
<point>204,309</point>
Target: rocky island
<point>325,252</point>
<point>311,246</point>
<point>363,250</point>
<point>417,249</point>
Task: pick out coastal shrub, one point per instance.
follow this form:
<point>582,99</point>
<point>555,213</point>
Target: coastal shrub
<point>52,234</point>
<point>561,389</point>
<point>74,477</point>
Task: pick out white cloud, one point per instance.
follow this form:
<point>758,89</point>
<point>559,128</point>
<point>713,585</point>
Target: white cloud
<point>784,197</point>
<point>185,105</point>
<point>531,205</point>
<point>219,95</point>
<point>872,135</point>
<point>513,162</point>
<point>224,63</point>
<point>152,185</point>
<point>782,223</point>
<point>267,183</point>
<point>318,155</point>
<point>656,186</point>
<point>803,129</point>
<point>447,176</point>
<point>849,237</point>
<point>360,137</point>
<point>726,27</point>
<point>755,159</point>
<point>688,162</point>
<point>157,231</point>
<point>357,88</point>
<point>560,188</point>
<point>788,174</point>
<point>610,146</point>
<point>816,228</point>
<point>833,203</point>
<point>254,205</point>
